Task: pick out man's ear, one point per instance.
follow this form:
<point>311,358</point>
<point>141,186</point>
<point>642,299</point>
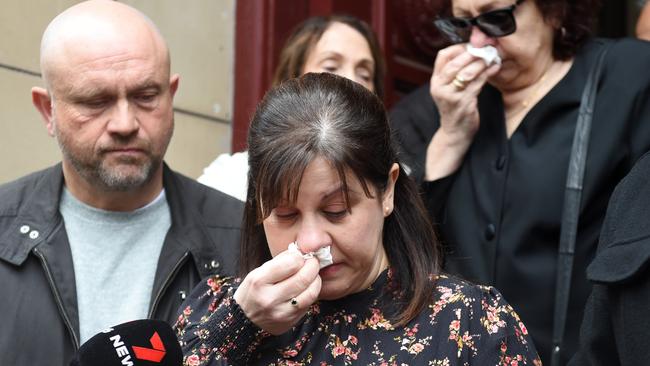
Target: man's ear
<point>173,84</point>
<point>43,103</point>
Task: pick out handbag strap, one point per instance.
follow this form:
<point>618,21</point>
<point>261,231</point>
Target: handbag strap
<point>571,209</point>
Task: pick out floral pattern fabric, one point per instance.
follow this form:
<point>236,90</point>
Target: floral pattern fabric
<point>464,324</point>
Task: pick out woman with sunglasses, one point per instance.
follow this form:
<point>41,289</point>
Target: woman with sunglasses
<point>491,144</point>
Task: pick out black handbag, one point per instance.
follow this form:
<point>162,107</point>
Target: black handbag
<point>571,208</point>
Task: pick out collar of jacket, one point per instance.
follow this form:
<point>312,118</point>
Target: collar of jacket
<point>191,220</point>
<point>36,214</point>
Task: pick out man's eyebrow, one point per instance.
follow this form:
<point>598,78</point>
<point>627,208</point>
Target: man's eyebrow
<point>91,91</point>
<point>144,85</point>
<point>80,93</point>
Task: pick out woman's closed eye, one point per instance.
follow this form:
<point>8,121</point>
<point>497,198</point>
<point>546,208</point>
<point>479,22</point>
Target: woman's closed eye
<point>335,212</point>
<point>364,74</point>
<point>284,214</point>
<point>331,213</point>
<point>331,69</point>
<point>330,65</point>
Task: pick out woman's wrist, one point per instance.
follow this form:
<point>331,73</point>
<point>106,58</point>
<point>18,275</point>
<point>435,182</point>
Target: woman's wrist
<point>232,333</point>
<point>445,153</point>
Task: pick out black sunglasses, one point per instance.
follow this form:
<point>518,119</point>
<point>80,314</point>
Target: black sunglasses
<point>494,23</point>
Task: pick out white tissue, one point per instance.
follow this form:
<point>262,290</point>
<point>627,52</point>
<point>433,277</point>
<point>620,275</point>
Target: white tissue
<point>489,54</point>
<point>323,254</point>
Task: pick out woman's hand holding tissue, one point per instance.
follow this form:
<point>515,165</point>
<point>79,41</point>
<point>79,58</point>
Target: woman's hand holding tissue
<point>276,295</point>
<point>458,77</point>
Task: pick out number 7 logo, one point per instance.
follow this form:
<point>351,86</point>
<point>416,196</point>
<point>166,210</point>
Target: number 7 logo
<point>156,354</point>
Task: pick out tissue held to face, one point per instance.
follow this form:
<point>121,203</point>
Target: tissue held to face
<point>524,51</point>
<point>323,254</point>
<point>320,217</point>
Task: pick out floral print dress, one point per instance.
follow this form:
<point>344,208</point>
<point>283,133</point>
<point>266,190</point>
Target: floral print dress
<point>464,324</point>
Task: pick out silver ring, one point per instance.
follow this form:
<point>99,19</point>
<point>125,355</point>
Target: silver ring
<point>293,301</point>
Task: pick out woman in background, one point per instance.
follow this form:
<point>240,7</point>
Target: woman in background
<point>338,44</point>
<point>492,145</point>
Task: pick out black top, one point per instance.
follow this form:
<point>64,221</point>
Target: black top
<point>499,214</point>
<point>616,322</point>
<point>464,324</point>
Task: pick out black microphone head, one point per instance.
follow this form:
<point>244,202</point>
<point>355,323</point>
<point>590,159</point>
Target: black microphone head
<point>146,342</point>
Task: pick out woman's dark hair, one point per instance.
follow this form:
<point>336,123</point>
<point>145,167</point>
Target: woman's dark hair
<point>305,36</point>
<point>340,121</point>
<point>573,23</point>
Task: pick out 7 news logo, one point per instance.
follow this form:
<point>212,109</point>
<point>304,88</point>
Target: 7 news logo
<point>154,354</point>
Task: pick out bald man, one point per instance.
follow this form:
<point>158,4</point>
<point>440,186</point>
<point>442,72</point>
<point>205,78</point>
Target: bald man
<point>110,234</point>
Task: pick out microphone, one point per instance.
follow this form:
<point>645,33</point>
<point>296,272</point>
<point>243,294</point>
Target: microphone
<point>146,342</point>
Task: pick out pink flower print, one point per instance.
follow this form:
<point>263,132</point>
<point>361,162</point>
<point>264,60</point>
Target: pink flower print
<point>416,348</point>
<point>192,360</point>
<point>374,319</point>
<point>455,325</point>
<point>446,293</point>
<point>338,350</point>
<point>377,320</point>
<point>353,339</point>
<point>523,328</point>
<point>214,285</point>
<point>187,311</point>
<point>384,363</point>
<point>290,353</point>
<point>410,332</point>
<point>213,306</point>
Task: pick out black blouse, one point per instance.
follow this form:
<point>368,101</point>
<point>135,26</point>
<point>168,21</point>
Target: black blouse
<point>499,214</point>
<point>464,324</point>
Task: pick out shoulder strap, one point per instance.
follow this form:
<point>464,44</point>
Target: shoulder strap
<point>571,209</point>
